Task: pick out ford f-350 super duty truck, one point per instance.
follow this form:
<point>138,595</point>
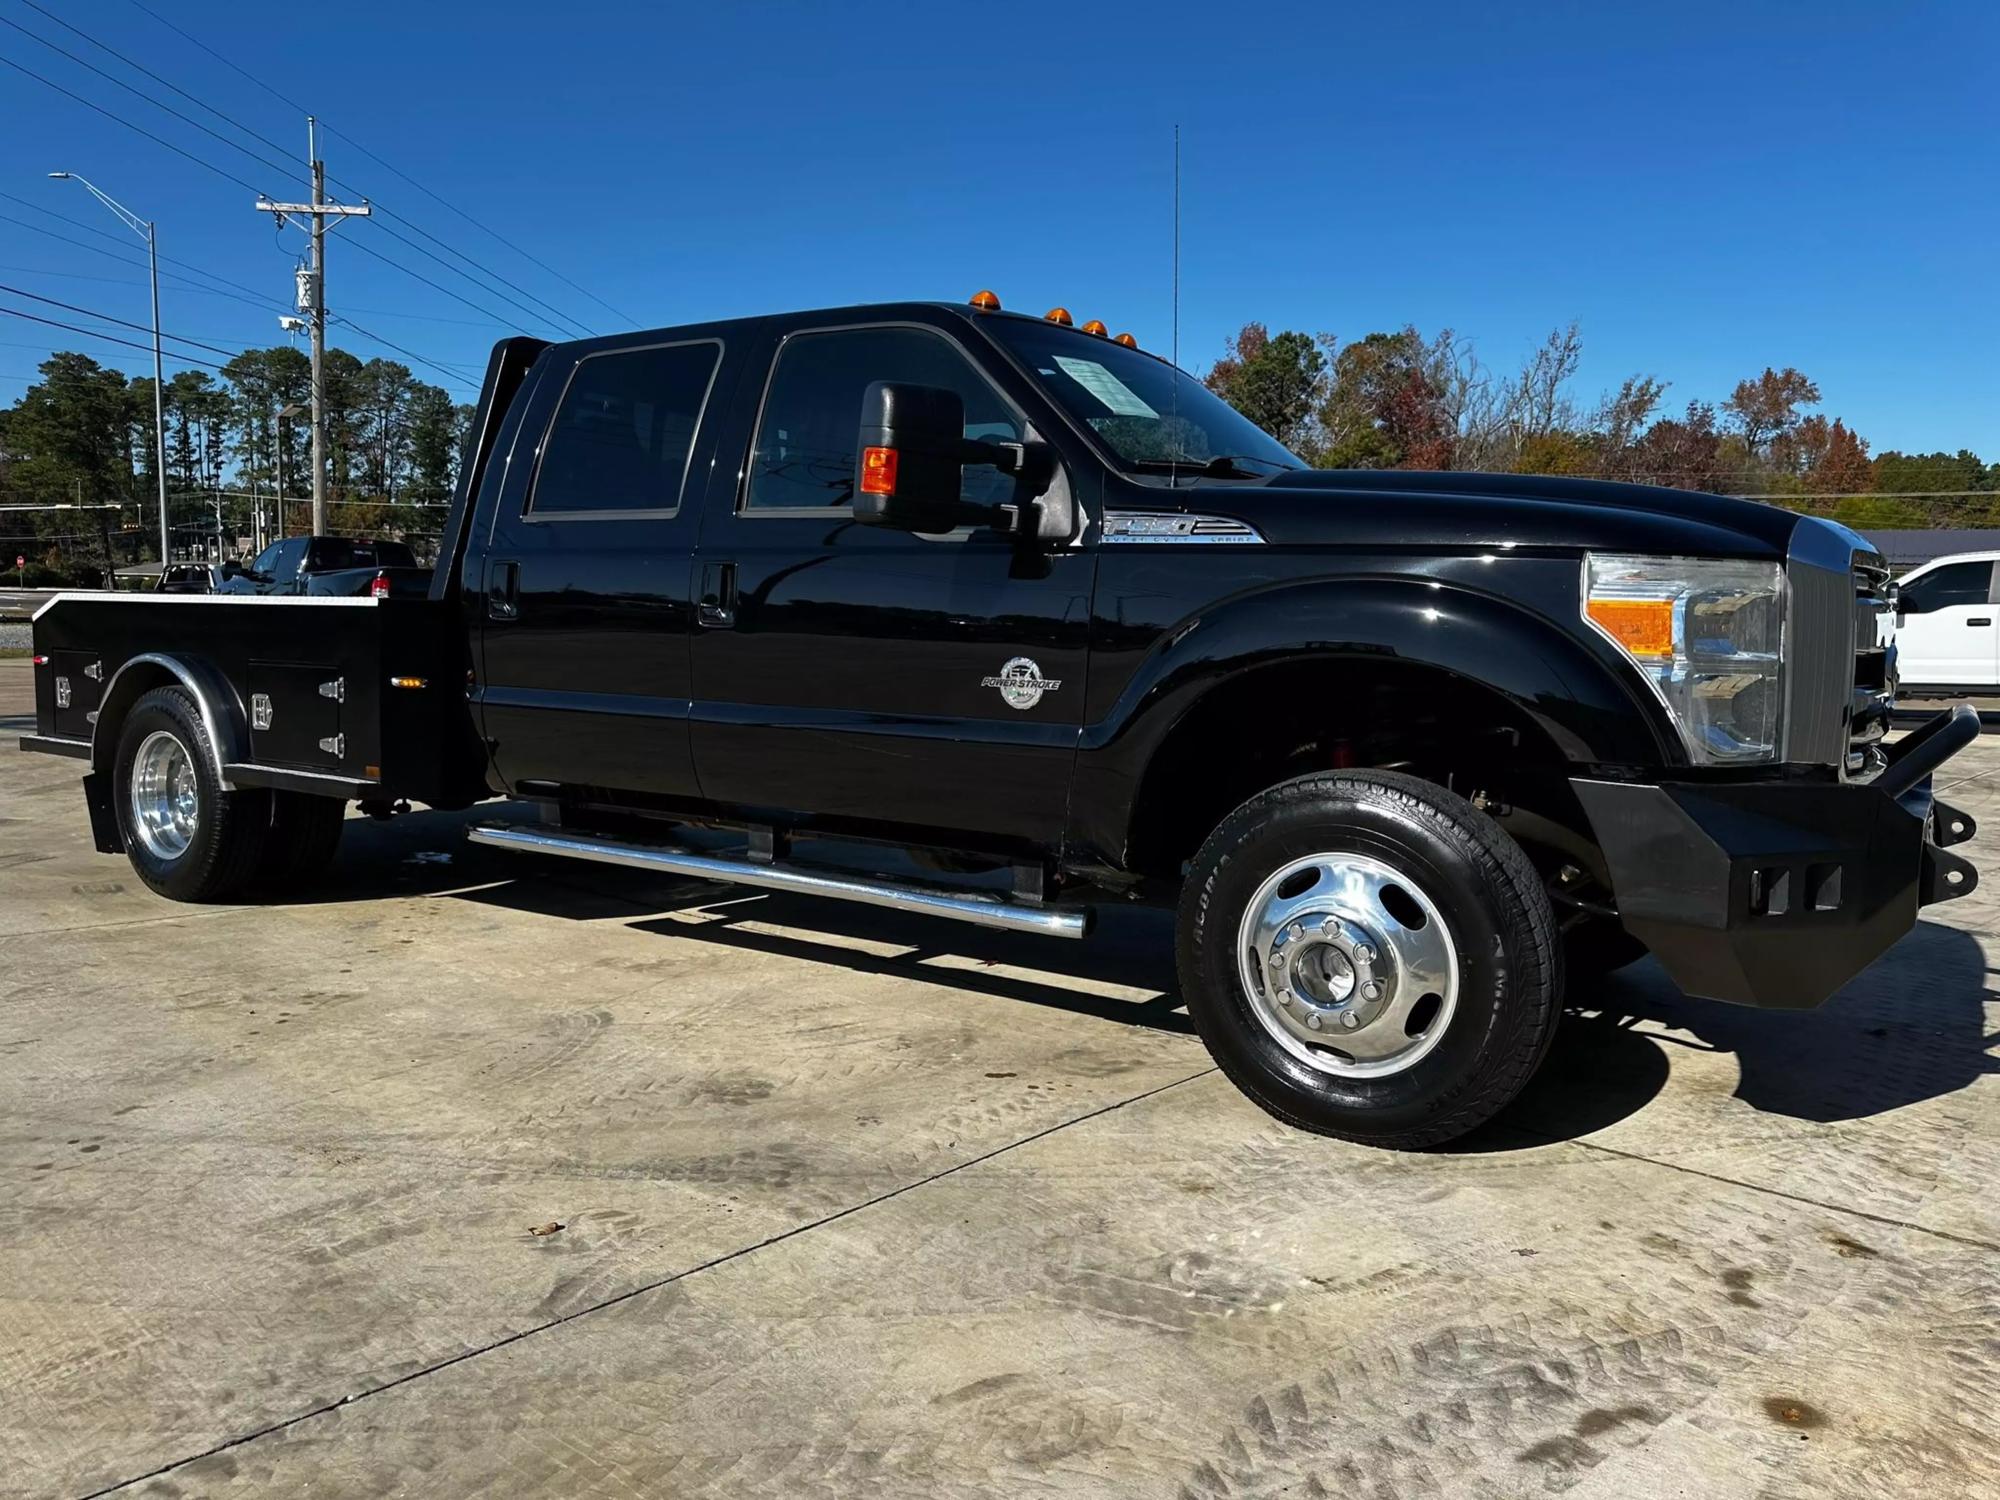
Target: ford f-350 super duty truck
<point>755,600</point>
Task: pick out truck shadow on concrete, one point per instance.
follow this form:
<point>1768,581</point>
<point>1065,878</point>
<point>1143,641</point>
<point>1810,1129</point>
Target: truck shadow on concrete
<point>1910,1028</point>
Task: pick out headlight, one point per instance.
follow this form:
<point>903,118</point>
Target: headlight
<point>1709,635</point>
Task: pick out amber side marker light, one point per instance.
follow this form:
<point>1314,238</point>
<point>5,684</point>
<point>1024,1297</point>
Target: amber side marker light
<point>1644,627</point>
<point>878,471</point>
<point>1093,326</point>
<point>1127,340</point>
<point>409,682</point>
<point>985,301</point>
<point>1059,315</point>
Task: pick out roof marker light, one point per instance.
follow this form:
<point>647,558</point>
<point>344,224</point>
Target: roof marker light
<point>1127,340</point>
<point>1058,315</point>
<point>1093,326</point>
<point>985,301</point>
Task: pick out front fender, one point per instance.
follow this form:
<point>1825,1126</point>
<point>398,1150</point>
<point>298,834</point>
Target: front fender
<point>1593,711</point>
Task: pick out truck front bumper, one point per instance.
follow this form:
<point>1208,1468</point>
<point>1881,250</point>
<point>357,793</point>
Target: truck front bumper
<point>1778,893</point>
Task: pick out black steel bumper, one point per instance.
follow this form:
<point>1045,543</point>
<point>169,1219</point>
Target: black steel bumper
<point>1778,893</point>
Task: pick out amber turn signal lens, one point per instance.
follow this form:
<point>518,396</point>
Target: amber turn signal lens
<point>1058,315</point>
<point>878,471</point>
<point>1644,627</point>
<point>1127,340</point>
<point>1093,326</point>
<point>409,682</point>
<point>985,301</point>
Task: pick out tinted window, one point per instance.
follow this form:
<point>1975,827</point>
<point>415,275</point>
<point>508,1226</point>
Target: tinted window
<point>266,560</point>
<point>338,552</point>
<point>288,555</point>
<point>1954,583</point>
<point>805,451</point>
<point>1143,409</point>
<point>622,436</point>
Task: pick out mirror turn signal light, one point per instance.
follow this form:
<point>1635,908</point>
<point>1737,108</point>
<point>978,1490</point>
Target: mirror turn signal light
<point>985,301</point>
<point>1127,340</point>
<point>878,471</point>
<point>1093,326</point>
<point>1058,315</point>
<point>1644,627</point>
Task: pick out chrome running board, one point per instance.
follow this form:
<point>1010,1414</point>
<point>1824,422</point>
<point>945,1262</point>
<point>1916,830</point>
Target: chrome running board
<point>966,906</point>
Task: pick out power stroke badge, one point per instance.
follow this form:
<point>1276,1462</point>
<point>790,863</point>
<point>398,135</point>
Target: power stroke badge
<point>1021,683</point>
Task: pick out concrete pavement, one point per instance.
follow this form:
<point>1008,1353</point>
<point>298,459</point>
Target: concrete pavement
<point>859,1204</point>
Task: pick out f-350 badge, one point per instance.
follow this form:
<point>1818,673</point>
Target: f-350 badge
<point>1021,683</point>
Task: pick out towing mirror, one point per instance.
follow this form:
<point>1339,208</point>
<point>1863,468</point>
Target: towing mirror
<point>911,457</point>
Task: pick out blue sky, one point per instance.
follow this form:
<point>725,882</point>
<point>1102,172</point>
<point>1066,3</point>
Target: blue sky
<point>1706,188</point>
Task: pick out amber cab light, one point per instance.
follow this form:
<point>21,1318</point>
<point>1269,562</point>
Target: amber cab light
<point>985,301</point>
<point>1093,326</point>
<point>1127,340</point>
<point>1058,315</point>
<point>878,471</point>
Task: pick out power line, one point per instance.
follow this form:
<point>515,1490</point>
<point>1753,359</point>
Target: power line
<point>379,161</point>
<point>179,359</point>
<point>568,325</point>
<point>456,377</point>
<point>91,312</point>
<point>140,93</point>
<point>121,241</point>
<point>205,165</point>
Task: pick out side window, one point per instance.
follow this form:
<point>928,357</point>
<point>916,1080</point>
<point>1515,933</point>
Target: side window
<point>266,560</point>
<point>805,453</point>
<point>291,556</point>
<point>1954,583</point>
<point>622,436</point>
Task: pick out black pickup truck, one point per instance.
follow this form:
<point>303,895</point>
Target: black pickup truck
<point>330,565</point>
<point>793,600</point>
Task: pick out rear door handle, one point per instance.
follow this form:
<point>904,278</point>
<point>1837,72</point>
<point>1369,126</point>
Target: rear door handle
<point>1980,620</point>
<point>716,606</point>
<point>503,591</point>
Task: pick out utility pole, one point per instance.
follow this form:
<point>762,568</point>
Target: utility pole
<point>312,302</point>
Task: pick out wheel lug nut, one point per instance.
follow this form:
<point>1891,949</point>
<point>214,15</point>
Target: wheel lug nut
<point>1313,1021</point>
<point>1365,953</point>
<point>1329,928</point>
<point>1371,991</point>
<point>1348,1019</point>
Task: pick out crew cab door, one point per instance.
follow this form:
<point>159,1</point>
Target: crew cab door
<point>582,584</point>
<point>1946,631</point>
<point>855,672</point>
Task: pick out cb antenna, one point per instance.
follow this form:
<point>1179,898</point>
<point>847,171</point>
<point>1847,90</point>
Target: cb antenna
<point>1174,391</point>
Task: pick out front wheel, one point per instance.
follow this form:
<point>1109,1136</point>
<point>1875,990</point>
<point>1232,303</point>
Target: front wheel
<point>1369,956</point>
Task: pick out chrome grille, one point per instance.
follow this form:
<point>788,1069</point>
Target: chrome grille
<point>1874,685</point>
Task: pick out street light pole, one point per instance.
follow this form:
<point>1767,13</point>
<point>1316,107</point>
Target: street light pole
<point>146,229</point>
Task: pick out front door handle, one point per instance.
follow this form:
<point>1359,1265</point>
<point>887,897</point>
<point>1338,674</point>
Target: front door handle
<point>503,591</point>
<point>716,606</point>
<point>1980,620</point>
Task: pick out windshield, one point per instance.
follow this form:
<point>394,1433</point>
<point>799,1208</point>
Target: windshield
<point>1148,414</point>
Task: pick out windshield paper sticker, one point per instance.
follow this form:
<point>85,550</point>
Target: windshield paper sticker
<point>1118,397</point>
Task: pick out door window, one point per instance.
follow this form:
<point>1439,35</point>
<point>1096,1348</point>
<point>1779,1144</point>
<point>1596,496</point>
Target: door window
<point>805,454</point>
<point>266,561</point>
<point>623,433</point>
<point>1954,583</point>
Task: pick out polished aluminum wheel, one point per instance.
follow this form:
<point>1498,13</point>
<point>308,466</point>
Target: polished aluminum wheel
<point>1348,965</point>
<point>166,796</point>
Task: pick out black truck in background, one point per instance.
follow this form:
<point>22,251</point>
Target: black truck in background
<point>1407,753</point>
<point>330,565</point>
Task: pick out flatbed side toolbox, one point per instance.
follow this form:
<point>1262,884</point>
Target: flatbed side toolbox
<point>295,713</point>
<point>77,681</point>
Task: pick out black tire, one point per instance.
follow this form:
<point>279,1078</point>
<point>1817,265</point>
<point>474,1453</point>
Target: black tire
<point>1495,912</point>
<point>227,834</point>
<point>304,833</point>
<point>1598,946</point>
